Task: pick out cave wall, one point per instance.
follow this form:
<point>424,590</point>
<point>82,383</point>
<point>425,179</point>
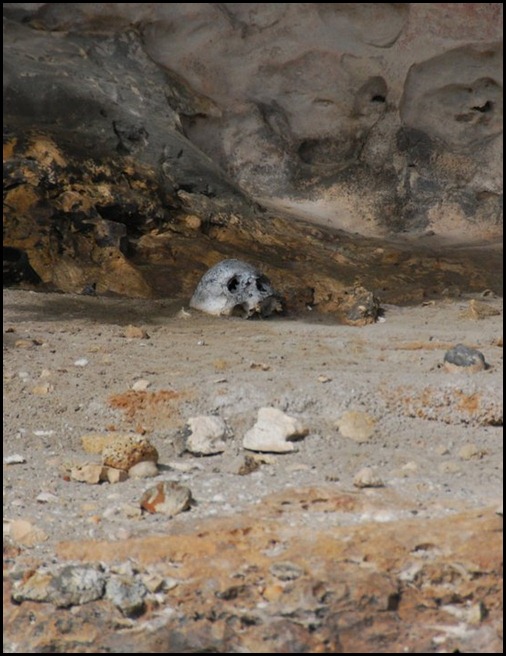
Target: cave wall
<point>380,119</point>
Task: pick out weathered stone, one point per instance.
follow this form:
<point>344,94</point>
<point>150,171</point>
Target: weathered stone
<point>356,425</point>
<point>123,452</point>
<point>367,477</point>
<point>144,469</point>
<point>24,532</point>
<point>206,437</point>
<point>135,332</point>
<point>331,134</point>
<point>168,498</point>
<point>274,432</point>
<point>127,593</point>
<point>90,473</point>
<point>464,358</point>
<point>62,585</point>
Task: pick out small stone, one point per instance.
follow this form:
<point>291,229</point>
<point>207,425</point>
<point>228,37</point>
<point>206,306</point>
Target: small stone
<point>114,475</point>
<point>81,362</point>
<point>249,465</point>
<point>125,451</point>
<point>480,310</point>
<point>42,389</point>
<point>24,343</point>
<point>324,379</point>
<point>25,533</point>
<point>450,467</point>
<point>14,459</point>
<point>464,358</point>
<point>131,511</point>
<point>141,385</point>
<point>499,509</point>
<point>286,571</point>
<point>206,436</point>
<point>476,614</point>
<point>367,477</point>
<point>90,473</point>
<point>272,430</point>
<point>470,451</point>
<point>46,497</point>
<point>126,593</point>
<point>260,365</point>
<point>144,469</point>
<point>134,332</point>
<point>183,314</point>
<point>167,497</point>
<point>356,425</point>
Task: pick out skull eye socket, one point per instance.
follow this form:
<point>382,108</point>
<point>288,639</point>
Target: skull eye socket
<point>233,284</point>
<point>262,284</point>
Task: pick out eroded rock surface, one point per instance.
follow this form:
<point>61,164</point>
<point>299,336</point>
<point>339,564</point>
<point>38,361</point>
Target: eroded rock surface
<point>137,136</point>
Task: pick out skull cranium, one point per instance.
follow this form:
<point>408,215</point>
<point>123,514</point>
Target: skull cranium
<point>232,287</point>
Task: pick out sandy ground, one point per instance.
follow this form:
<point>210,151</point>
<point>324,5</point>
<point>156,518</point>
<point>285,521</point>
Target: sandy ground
<point>68,369</point>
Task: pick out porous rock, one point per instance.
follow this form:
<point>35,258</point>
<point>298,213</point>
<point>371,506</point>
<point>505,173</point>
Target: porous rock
<point>125,451</point>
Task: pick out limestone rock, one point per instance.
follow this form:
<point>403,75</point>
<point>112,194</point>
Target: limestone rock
<point>274,432</point>
<point>357,425</point>
<point>367,477</point>
<point>206,437</point>
<point>125,451</point>
<point>144,469</point>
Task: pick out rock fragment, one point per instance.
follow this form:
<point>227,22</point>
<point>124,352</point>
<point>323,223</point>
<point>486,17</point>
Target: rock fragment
<point>144,469</point>
<point>273,432</point>
<point>470,451</point>
<point>14,459</point>
<point>64,586</point>
<point>125,451</point>
<point>356,425</point>
<point>25,533</point>
<point>135,332</point>
<point>168,498</point>
<point>464,358</point>
<point>126,593</point>
<point>367,477</point>
<point>206,437</point>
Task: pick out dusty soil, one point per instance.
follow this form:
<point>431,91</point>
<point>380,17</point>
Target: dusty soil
<point>291,557</point>
<point>307,366</point>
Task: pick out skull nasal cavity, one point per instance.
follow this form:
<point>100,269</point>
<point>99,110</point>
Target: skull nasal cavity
<point>232,284</point>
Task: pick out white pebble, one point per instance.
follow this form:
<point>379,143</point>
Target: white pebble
<point>141,385</point>
<point>14,459</point>
<point>81,362</point>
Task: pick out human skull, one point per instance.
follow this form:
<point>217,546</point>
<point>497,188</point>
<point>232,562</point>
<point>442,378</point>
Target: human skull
<point>232,287</point>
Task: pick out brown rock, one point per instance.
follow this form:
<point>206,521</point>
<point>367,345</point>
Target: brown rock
<point>356,425</point>
<point>125,451</point>
<point>135,332</point>
<point>25,533</point>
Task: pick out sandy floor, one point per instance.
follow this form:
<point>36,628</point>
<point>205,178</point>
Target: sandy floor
<point>68,369</point>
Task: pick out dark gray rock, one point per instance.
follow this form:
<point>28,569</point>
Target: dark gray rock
<point>465,356</point>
